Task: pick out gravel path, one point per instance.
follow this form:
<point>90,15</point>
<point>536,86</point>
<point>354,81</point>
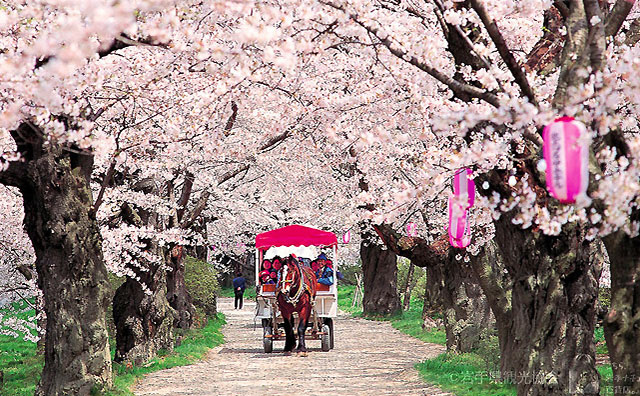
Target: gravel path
<point>370,358</point>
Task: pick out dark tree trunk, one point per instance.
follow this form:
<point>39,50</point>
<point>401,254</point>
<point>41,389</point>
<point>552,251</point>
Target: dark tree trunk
<point>379,269</point>
<point>408,287</point>
<point>71,271</point>
<point>177,293</point>
<point>432,303</point>
<point>547,337</point>
<point>452,283</point>
<point>144,321</point>
<point>622,324</point>
<point>141,312</point>
<point>466,310</point>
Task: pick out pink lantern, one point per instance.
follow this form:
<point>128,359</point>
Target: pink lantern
<point>460,244</point>
<point>567,157</point>
<point>463,187</point>
<point>459,233</point>
<point>346,237</point>
<point>412,229</point>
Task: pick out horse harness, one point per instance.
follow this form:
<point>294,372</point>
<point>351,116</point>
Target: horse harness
<point>301,289</point>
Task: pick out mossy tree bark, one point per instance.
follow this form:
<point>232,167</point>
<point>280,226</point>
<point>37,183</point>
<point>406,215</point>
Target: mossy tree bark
<point>380,274</point>
<point>179,297</point>
<point>55,185</point>
<point>141,312</point>
<point>452,282</point>
<point>622,324</point>
<point>546,333</point>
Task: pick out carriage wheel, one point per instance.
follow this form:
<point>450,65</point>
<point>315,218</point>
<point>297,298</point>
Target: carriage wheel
<point>267,342</point>
<point>326,338</point>
<point>329,322</point>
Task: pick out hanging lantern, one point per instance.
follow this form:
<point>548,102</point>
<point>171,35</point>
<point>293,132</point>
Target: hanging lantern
<point>412,229</point>
<point>567,157</point>
<point>346,237</point>
<point>464,188</point>
<point>459,233</point>
<point>460,244</point>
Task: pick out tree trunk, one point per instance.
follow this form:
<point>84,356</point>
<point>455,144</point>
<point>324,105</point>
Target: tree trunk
<point>407,287</point>
<point>141,312</point>
<point>547,337</point>
<point>71,271</point>
<point>143,319</point>
<point>451,282</point>
<point>622,324</point>
<point>379,269</point>
<point>432,300</point>
<point>466,311</point>
<point>177,293</point>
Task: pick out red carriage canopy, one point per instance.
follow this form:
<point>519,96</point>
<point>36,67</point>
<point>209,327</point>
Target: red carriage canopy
<point>295,235</point>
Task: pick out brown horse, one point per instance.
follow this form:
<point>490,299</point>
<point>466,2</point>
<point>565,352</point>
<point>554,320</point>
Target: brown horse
<point>296,292</point>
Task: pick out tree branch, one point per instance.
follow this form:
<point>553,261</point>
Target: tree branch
<point>458,88</point>
<point>103,186</point>
<point>562,8</point>
<point>197,210</point>
<point>187,188</point>
<point>617,16</point>
<point>15,173</point>
<point>232,119</point>
<point>505,53</point>
<point>120,42</point>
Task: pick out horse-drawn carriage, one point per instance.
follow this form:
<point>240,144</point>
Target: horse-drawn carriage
<point>293,243</point>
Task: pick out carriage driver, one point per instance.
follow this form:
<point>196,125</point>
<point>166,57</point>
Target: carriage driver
<point>325,270</point>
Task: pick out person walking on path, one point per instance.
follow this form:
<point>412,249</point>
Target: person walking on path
<point>239,284</point>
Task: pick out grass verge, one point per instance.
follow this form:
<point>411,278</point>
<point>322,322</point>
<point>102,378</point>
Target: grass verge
<point>462,374</point>
<point>22,366</point>
<point>19,360</point>
<point>249,293</point>
<point>194,347</point>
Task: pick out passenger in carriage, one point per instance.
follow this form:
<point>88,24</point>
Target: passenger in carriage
<point>324,271</point>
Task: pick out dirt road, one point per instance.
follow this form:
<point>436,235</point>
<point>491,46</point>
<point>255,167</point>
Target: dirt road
<point>370,358</point>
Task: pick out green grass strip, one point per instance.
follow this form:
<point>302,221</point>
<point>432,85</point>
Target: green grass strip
<point>22,365</point>
<point>462,374</point>
<point>194,347</point>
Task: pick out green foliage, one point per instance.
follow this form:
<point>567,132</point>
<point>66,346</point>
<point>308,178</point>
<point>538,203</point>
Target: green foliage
<point>418,279</point>
<point>194,347</point>
<point>463,374</point>
<point>345,300</point>
<point>349,274</point>
<point>201,280</point>
<point>410,322</point>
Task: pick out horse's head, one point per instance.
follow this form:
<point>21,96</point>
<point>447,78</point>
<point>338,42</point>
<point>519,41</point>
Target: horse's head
<point>288,275</point>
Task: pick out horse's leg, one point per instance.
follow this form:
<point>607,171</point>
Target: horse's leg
<point>290,342</point>
<point>302,326</point>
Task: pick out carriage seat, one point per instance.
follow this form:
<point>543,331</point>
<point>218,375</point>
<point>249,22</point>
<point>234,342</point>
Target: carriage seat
<point>322,287</point>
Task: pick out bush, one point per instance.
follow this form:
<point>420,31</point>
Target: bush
<point>349,273</point>
<point>202,284</point>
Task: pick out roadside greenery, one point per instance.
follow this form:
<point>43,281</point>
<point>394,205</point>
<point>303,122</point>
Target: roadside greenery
<point>22,366</point>
<point>194,347</point>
